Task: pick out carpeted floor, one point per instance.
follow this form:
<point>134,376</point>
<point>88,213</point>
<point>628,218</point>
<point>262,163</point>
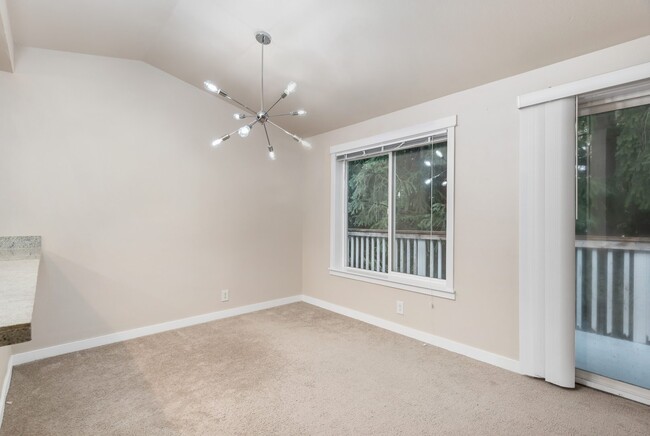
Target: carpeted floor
<point>292,370</point>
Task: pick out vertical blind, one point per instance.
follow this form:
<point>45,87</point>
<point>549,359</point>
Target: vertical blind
<point>546,242</point>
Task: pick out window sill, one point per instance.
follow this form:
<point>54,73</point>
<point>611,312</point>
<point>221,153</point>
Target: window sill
<point>412,284</point>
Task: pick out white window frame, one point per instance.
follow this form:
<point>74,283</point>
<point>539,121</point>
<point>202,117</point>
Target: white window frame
<point>338,212</point>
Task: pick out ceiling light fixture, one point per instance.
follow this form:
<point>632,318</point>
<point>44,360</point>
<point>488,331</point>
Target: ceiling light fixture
<point>262,116</point>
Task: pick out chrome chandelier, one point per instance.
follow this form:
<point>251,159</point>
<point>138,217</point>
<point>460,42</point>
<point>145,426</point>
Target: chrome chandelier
<point>263,116</point>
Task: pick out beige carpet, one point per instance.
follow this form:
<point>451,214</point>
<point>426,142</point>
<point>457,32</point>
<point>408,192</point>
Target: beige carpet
<point>292,370</point>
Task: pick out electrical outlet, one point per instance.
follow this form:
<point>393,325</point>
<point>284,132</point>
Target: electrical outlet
<point>225,295</point>
<point>400,307</point>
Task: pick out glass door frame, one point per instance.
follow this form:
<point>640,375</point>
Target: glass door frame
<point>606,100</point>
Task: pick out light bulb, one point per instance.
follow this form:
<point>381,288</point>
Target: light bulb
<point>305,143</point>
<point>438,153</point>
<point>427,163</point>
<point>301,112</point>
<point>444,183</point>
<point>291,87</point>
<point>211,87</point>
<point>244,131</point>
<point>427,182</point>
<point>220,140</point>
<point>272,154</point>
<point>239,116</point>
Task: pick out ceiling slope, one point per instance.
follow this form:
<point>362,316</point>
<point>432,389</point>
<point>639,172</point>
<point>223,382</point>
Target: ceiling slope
<point>352,60</point>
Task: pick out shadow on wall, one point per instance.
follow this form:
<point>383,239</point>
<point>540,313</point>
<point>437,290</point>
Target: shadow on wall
<point>50,386</point>
<point>73,302</point>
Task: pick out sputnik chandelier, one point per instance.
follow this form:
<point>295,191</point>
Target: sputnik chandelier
<point>263,116</point>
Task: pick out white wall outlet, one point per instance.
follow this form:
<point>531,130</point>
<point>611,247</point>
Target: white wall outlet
<point>400,307</point>
<point>225,295</point>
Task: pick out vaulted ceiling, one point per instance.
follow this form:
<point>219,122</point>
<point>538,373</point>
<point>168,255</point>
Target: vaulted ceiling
<point>352,60</point>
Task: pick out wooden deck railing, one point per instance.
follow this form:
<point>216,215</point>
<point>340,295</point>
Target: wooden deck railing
<point>613,287</point>
<point>416,253</point>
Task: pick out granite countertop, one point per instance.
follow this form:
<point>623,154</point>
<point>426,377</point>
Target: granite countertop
<point>19,260</point>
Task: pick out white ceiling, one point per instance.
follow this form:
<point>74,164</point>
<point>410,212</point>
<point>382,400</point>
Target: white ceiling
<point>352,60</point>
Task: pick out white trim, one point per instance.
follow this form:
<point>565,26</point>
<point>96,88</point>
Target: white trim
<point>391,246</point>
<point>614,387</point>
<point>437,341</point>
<point>5,388</point>
<point>407,133</point>
<point>84,344</point>
<point>451,209</point>
<point>335,205</point>
<point>338,214</point>
<point>392,282</point>
<point>607,80</point>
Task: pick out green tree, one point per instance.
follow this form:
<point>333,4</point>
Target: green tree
<point>420,188</point>
<point>419,191</point>
<point>368,193</point>
<point>616,201</point>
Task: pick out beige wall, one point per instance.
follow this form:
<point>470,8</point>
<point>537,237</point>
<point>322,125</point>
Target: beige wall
<point>485,313</point>
<point>142,221</point>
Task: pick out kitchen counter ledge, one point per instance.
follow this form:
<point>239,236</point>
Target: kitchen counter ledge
<point>19,260</point>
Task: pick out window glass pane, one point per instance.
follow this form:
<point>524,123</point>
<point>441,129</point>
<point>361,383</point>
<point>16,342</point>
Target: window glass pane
<point>614,174</point>
<point>420,210</point>
<point>613,245</point>
<point>367,206</point>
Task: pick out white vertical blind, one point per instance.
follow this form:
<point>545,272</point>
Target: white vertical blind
<point>546,243</point>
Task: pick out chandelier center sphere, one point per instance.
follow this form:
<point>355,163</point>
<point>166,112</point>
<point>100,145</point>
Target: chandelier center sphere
<point>262,117</point>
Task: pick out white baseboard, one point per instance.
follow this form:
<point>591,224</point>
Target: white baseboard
<point>447,344</point>
<point>84,344</point>
<point>456,347</point>
<point>5,388</point>
<point>57,350</point>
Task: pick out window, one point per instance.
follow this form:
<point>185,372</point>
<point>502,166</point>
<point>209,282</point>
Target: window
<point>392,209</point>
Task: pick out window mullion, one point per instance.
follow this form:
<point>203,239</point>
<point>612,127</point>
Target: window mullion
<point>390,212</point>
<point>344,216</point>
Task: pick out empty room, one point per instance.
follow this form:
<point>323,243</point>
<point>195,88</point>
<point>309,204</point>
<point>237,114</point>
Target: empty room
<point>369,217</point>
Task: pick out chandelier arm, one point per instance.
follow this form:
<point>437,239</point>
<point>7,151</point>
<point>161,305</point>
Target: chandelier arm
<point>276,102</point>
<point>253,123</point>
<point>241,105</point>
<point>223,138</point>
<point>295,137</point>
<point>268,140</point>
<point>231,133</point>
<point>283,115</point>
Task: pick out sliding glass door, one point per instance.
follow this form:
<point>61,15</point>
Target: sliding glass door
<point>613,237</point>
